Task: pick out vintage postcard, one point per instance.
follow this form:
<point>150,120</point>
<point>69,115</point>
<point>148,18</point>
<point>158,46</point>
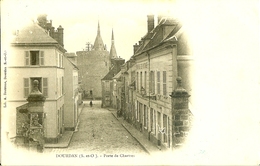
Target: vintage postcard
<point>120,82</point>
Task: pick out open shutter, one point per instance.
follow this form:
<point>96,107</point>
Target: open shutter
<point>26,87</point>
<point>45,86</point>
<point>158,82</point>
<point>42,58</point>
<point>27,58</point>
<point>164,83</point>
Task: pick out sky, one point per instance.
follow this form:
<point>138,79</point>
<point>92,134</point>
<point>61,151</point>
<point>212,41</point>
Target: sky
<point>79,19</point>
<point>225,40</point>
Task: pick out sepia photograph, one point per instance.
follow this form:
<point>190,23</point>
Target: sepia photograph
<point>120,82</point>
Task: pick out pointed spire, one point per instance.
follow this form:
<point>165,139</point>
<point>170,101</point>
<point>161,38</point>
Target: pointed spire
<point>98,31</point>
<point>112,35</point>
<point>98,45</point>
<point>113,48</point>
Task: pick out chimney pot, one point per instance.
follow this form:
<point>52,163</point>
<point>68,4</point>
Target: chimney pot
<point>150,23</point>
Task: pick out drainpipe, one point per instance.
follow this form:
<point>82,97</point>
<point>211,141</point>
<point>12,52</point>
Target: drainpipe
<point>148,57</point>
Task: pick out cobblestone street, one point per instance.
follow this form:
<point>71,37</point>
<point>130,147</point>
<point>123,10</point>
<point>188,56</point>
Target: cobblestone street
<point>100,132</point>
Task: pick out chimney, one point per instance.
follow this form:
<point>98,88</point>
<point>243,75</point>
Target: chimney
<point>150,22</point>
<point>42,20</point>
<point>135,47</point>
<point>60,36</point>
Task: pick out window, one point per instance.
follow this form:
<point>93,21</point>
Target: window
<point>132,76</point>
<point>45,86</point>
<point>145,80</point>
<point>152,82</point>
<point>164,84</point>
<point>151,119</point>
<point>158,82</point>
<point>159,122</point>
<point>140,112</point>
<point>136,111</point>
<point>34,58</point>
<point>28,85</point>
<point>62,85</point>
<point>137,81</point>
<point>145,116</point>
<point>164,128</point>
<point>154,117</point>
<point>141,80</point>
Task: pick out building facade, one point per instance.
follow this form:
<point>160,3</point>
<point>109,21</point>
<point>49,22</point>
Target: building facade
<point>37,56</point>
<point>71,104</point>
<point>161,56</point>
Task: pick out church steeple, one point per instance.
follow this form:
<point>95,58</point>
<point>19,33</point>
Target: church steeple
<point>98,31</point>
<point>112,54</point>
<point>99,45</point>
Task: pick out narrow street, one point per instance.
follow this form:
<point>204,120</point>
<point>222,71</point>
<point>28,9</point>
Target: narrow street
<point>100,132</point>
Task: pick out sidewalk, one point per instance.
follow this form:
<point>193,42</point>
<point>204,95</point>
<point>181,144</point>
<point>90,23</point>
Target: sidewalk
<point>64,141</point>
<point>148,146</point>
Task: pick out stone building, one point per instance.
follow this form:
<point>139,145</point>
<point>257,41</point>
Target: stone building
<point>93,65</point>
<point>128,77</point>
<point>71,104</point>
<point>107,81</point>
<point>37,56</point>
<point>160,57</point>
<point>116,94</point>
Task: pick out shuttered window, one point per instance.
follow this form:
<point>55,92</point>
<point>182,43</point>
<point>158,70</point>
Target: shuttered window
<point>164,83</point>
<point>158,82</point>
<point>42,58</point>
<point>137,81</point>
<point>152,82</point>
<point>27,58</point>
<point>45,86</point>
<point>26,87</point>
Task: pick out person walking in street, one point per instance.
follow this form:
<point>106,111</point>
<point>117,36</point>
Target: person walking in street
<point>90,103</point>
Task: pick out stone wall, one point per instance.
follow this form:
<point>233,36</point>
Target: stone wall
<point>93,66</point>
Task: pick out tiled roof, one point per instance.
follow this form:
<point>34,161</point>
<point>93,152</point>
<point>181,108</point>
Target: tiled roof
<point>72,63</point>
<point>33,34</point>
<point>98,44</point>
<point>112,72</point>
<point>164,32</point>
<point>115,69</point>
<point>118,75</point>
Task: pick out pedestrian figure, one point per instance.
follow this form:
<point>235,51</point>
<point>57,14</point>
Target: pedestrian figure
<point>90,103</point>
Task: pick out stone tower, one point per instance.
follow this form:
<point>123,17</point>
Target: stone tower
<point>93,66</point>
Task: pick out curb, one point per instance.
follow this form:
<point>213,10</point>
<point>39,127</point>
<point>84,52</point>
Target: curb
<point>136,139</point>
<point>132,135</point>
<point>63,145</point>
